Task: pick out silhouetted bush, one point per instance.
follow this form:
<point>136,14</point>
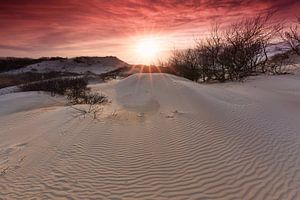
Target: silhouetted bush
<point>85,97</point>
<point>75,89</point>
<point>232,53</point>
<point>277,62</point>
<point>57,86</point>
<point>7,80</point>
<point>184,63</point>
<point>292,37</point>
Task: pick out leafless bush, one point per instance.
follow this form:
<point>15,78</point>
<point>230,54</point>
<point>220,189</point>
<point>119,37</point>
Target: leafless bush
<point>208,56</point>
<point>7,80</point>
<point>292,37</point>
<point>184,63</point>
<point>58,86</point>
<point>85,97</point>
<point>246,43</point>
<point>93,101</point>
<point>233,53</point>
<point>76,91</point>
<point>276,64</point>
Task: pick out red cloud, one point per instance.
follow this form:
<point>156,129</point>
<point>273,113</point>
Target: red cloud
<point>100,27</point>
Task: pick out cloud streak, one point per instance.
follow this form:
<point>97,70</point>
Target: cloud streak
<point>102,27</point>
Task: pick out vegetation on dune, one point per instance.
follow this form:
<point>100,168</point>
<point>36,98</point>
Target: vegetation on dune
<point>75,89</point>
<point>233,52</point>
<point>292,37</point>
<point>57,86</point>
<point>7,80</point>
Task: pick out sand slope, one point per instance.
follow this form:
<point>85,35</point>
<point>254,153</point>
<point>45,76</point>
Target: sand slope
<point>80,65</point>
<point>162,137</point>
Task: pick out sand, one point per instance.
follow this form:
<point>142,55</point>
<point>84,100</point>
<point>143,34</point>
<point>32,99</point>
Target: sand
<point>161,137</point>
<point>95,65</point>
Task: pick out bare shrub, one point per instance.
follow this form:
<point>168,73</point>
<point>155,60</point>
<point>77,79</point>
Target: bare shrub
<point>57,86</point>
<point>292,37</point>
<point>232,53</point>
<point>93,100</point>
<point>246,43</point>
<point>184,63</point>
<point>208,56</point>
<point>276,64</point>
<point>76,91</point>
<point>85,97</point>
<point>7,80</point>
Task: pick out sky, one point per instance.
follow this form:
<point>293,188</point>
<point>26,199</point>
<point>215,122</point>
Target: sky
<point>68,28</point>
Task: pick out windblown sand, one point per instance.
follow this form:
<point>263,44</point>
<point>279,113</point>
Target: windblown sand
<point>161,137</point>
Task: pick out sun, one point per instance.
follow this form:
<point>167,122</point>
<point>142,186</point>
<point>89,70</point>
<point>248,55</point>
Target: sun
<point>147,49</point>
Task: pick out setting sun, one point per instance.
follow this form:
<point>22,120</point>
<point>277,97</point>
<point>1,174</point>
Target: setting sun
<point>147,49</point>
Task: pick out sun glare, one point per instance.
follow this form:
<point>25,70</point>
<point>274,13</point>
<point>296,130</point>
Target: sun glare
<point>147,49</point>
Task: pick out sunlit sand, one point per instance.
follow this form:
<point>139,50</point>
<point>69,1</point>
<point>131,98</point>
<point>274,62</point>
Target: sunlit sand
<point>162,137</point>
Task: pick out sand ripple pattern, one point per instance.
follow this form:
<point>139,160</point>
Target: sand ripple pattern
<point>229,148</point>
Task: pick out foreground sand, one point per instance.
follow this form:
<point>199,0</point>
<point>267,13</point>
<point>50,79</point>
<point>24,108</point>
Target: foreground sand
<point>162,137</point>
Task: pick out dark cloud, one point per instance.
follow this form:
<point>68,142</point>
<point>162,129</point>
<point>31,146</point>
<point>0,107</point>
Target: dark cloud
<point>58,24</point>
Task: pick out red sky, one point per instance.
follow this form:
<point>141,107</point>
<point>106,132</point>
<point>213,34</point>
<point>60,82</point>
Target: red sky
<point>35,28</point>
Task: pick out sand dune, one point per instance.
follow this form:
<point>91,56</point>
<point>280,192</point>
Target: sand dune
<point>162,137</point>
<point>79,65</point>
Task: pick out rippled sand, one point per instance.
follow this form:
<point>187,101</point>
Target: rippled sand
<point>162,137</point>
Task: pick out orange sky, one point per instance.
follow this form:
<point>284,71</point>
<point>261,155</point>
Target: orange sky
<point>34,28</point>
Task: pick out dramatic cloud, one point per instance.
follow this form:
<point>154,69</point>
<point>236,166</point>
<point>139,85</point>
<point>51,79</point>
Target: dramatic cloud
<point>110,27</point>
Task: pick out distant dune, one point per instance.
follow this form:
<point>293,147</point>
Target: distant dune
<point>18,71</point>
<point>162,137</point>
<point>80,65</point>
